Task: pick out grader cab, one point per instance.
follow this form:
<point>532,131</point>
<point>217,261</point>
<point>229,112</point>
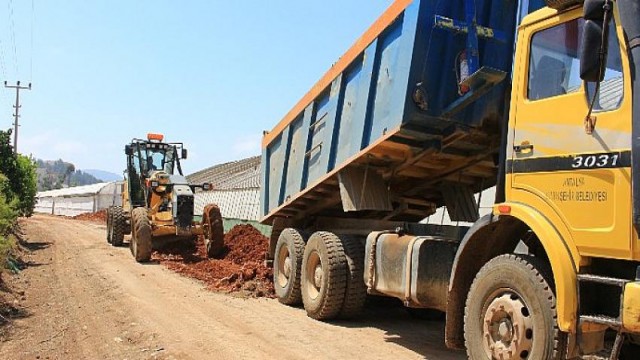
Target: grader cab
<point>158,202</point>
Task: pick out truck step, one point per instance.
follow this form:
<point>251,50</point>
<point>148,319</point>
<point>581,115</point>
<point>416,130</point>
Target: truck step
<point>602,280</point>
<point>601,319</point>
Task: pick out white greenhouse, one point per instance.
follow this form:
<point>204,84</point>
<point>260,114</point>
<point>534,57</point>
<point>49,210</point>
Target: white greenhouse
<point>236,189</point>
<point>79,199</point>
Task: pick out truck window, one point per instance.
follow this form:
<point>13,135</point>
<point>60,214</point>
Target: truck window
<point>554,63</point>
<point>554,66</point>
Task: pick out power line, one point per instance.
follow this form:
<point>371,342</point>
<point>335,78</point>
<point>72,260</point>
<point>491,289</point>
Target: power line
<point>2,66</point>
<point>13,36</point>
<point>33,15</point>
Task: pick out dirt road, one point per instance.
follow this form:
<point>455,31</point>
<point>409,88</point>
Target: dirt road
<point>84,299</point>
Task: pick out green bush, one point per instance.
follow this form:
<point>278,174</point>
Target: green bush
<point>18,187</point>
<point>8,216</point>
<point>21,185</point>
<point>28,185</point>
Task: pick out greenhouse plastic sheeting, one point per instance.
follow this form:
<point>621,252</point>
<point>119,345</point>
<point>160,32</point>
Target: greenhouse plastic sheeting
<point>77,200</point>
<point>241,204</point>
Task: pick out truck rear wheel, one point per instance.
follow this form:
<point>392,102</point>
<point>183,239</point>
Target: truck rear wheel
<point>118,224</point>
<point>141,236</point>
<point>511,312</point>
<point>214,230</point>
<point>323,276</point>
<point>287,266</point>
<point>109,225</point>
<point>356,290</point>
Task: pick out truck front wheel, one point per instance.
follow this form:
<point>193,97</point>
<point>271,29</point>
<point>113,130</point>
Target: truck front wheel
<point>324,276</point>
<point>511,311</point>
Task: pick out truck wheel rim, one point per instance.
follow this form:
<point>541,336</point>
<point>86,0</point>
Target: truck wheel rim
<point>284,266</point>
<point>507,326</point>
<point>314,274</point>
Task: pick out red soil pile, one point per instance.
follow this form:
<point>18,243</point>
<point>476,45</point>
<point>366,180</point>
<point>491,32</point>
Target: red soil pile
<point>240,269</point>
<point>99,216</point>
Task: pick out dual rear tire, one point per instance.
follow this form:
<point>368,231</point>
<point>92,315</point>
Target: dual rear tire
<point>325,274</point>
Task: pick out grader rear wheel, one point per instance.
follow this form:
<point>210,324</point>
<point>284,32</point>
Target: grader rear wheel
<point>140,244</point>
<point>213,230</point>
<point>109,225</point>
<point>118,224</point>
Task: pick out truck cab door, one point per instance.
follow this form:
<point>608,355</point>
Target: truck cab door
<point>583,178</point>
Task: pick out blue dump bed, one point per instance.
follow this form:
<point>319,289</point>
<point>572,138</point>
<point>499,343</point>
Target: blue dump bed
<point>396,127</point>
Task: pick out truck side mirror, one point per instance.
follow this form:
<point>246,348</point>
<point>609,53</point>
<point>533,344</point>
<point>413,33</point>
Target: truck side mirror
<point>593,53</point>
<point>184,153</point>
<point>128,150</point>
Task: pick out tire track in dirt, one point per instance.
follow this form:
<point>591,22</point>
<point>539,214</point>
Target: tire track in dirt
<point>114,308</point>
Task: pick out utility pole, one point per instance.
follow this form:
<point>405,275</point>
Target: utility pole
<point>16,115</point>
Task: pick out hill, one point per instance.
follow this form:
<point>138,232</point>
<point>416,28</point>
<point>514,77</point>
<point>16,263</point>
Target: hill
<point>105,176</point>
<point>56,174</point>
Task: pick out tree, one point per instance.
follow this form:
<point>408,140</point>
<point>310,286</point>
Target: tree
<point>28,185</point>
<point>20,172</point>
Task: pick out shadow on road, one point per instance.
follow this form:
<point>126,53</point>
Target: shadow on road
<point>424,337</point>
<point>33,246</point>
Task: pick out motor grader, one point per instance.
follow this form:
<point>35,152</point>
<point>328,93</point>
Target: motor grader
<point>158,202</point>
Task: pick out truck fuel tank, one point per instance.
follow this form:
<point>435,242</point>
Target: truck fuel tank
<point>414,269</point>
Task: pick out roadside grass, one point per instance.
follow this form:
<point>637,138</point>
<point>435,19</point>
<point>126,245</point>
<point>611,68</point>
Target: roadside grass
<point>8,216</point>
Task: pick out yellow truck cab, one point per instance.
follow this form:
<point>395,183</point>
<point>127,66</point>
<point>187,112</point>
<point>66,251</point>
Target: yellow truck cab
<point>568,181</point>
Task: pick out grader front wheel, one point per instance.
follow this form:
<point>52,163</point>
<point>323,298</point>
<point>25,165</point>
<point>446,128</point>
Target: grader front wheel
<point>141,235</point>
<point>213,230</point>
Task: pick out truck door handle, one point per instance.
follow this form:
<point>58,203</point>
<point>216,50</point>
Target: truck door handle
<point>524,147</point>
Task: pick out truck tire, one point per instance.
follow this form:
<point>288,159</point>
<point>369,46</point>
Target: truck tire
<point>356,290</point>
<point>140,244</point>
<point>214,230</point>
<point>511,311</point>
<point>287,266</point>
<point>118,224</point>
<point>109,225</point>
<point>324,277</point>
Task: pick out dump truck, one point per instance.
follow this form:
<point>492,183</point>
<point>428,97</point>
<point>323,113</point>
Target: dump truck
<point>436,102</point>
<point>158,202</point>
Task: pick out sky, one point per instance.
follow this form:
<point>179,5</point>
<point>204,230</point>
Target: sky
<point>212,74</point>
